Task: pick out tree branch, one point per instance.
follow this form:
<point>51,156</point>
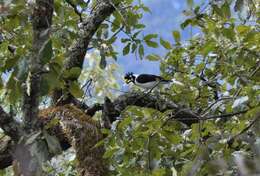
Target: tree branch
<point>29,156</point>
<point>150,101</point>
<point>225,115</point>
<point>90,26</point>
<point>78,51</point>
<point>41,23</point>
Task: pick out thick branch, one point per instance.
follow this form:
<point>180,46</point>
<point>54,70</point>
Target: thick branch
<point>29,156</point>
<point>90,26</point>
<point>78,51</point>
<point>41,22</point>
<point>150,101</point>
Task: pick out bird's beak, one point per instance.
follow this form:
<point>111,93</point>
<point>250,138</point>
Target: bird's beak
<point>127,81</point>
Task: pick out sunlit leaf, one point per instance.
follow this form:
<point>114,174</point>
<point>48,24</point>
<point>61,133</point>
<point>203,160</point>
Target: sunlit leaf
<point>141,51</point>
<point>150,36</point>
<point>152,44</point>
<point>126,49</point>
<point>226,9</point>
<point>165,44</point>
<point>153,57</point>
<point>176,36</point>
<point>75,90</point>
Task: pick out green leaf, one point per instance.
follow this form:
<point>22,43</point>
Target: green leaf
<point>141,51</point>
<point>112,40</point>
<point>14,89</point>
<point>159,172</point>
<point>10,63</point>
<point>110,152</point>
<point>153,57</point>
<point>50,81</point>
<point>186,23</point>
<point>173,138</point>
<point>241,29</point>
<point>165,44</point>
<point>229,33</point>
<point>46,52</point>
<point>146,9</point>
<point>217,10</point>
<point>134,46</point>
<point>75,90</point>
<point>125,122</point>
<point>124,40</point>
<point>100,143</point>
<point>75,72</point>
<point>152,44</point>
<point>136,34</point>
<point>126,49</point>
<point>208,47</point>
<point>139,26</point>
<point>150,36</point>
<point>176,36</point>
<point>103,61</point>
<point>226,10</point>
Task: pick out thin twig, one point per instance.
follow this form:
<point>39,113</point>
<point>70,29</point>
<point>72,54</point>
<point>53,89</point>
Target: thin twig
<point>111,22</point>
<point>119,30</point>
<point>225,115</point>
<point>149,153</point>
<point>204,113</point>
<point>205,118</point>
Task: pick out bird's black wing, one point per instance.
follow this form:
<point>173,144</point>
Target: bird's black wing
<point>144,78</point>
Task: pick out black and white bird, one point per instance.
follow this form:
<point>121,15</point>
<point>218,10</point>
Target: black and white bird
<point>146,81</point>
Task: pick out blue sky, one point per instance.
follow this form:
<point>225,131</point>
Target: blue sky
<point>166,16</point>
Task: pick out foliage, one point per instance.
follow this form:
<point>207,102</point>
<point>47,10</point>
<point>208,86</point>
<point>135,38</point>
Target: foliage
<point>98,83</point>
<point>219,69</point>
<point>62,165</point>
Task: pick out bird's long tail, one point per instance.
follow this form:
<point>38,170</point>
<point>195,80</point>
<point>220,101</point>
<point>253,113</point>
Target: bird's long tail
<point>165,81</point>
<point>172,81</point>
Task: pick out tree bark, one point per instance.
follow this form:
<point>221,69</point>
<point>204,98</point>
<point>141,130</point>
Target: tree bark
<point>31,150</point>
